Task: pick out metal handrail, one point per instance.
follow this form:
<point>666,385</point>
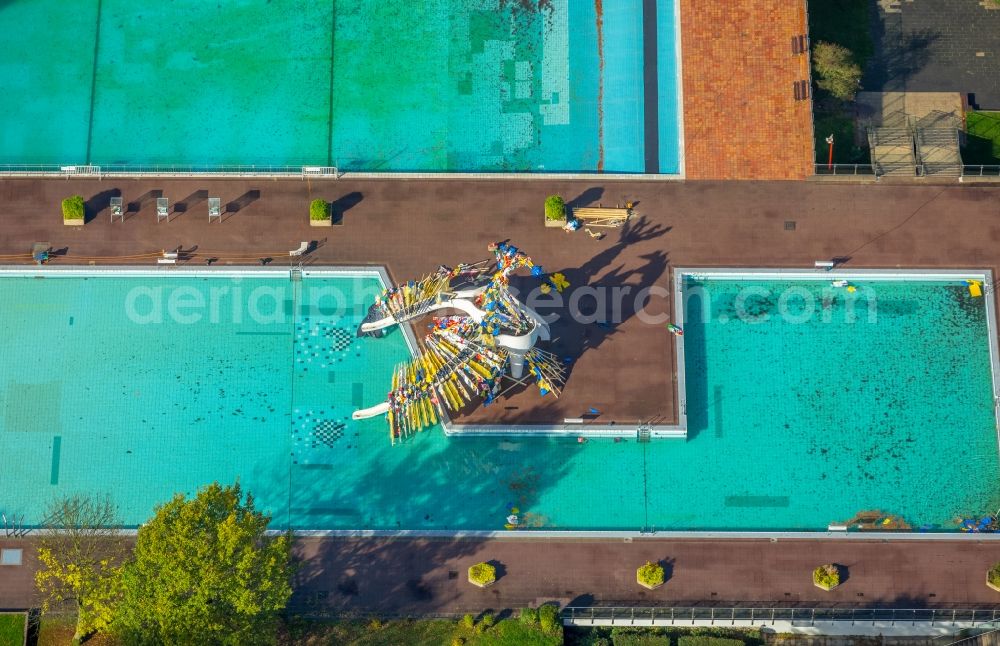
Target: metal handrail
<point>980,170</point>
<point>765,615</point>
<point>843,169</point>
<point>153,169</point>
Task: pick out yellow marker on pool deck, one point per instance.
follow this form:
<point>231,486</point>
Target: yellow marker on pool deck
<point>975,288</point>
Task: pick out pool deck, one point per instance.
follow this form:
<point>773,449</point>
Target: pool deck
<point>415,576</point>
<point>625,370</point>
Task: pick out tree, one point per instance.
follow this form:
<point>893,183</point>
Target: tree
<point>80,549</point>
<point>836,71</point>
<point>205,572</point>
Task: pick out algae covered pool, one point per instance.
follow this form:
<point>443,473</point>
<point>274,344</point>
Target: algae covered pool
<point>141,384</point>
<point>441,85</point>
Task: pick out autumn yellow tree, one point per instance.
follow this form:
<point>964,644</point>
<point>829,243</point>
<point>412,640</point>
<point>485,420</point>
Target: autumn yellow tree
<point>205,571</point>
<point>80,548</point>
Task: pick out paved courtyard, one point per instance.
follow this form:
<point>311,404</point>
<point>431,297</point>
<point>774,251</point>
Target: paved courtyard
<point>937,46</point>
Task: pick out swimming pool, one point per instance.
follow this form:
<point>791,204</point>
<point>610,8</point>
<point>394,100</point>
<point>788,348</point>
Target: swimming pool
<point>138,384</point>
<point>436,86</point>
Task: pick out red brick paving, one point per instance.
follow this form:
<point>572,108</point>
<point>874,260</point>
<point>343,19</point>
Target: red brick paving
<point>741,118</point>
<point>17,582</point>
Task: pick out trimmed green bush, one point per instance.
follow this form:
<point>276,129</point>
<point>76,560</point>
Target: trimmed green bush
<point>650,574</point>
<point>827,576</point>
<point>548,617</point>
<point>625,639</point>
<point>319,210</point>
<point>529,616</point>
<point>468,621</point>
<point>555,208</point>
<point>697,640</point>
<point>482,574</point>
<point>72,208</point>
<point>993,576</point>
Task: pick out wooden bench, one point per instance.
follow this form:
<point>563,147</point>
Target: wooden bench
<point>602,216</point>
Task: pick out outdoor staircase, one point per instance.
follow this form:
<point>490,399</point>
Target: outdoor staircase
<point>938,145</point>
<point>938,151</point>
<point>892,151</point>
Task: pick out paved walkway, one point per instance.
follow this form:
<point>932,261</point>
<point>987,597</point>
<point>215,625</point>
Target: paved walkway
<point>430,576</point>
<point>937,46</point>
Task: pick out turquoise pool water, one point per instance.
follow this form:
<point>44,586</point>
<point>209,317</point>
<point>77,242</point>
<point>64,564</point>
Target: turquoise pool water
<point>139,387</point>
<point>440,85</point>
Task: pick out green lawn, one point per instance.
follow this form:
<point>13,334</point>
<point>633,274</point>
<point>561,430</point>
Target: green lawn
<point>12,629</point>
<point>511,632</point>
<point>661,636</point>
<point>845,22</point>
<point>983,141</point>
<point>430,632</point>
<point>842,129</point>
<point>58,630</point>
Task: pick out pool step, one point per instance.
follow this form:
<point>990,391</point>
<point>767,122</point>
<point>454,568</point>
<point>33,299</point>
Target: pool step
<point>296,275</point>
<point>643,435</point>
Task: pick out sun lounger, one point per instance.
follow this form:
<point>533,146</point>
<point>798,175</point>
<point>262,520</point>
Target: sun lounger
<point>162,209</point>
<point>214,208</point>
<point>117,209</point>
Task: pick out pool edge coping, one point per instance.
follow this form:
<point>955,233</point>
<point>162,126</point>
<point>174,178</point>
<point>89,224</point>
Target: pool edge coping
<point>627,536</point>
<point>902,275</point>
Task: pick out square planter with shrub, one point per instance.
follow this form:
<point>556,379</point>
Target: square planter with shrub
<point>73,211</point>
<point>482,575</point>
<point>555,211</point>
<point>650,575</point>
<point>320,213</point>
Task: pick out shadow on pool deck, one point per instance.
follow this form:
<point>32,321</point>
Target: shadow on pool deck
<point>99,202</point>
<point>196,197</point>
<point>343,204</point>
<point>603,295</point>
<point>137,205</point>
<point>243,201</point>
<point>344,574</point>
